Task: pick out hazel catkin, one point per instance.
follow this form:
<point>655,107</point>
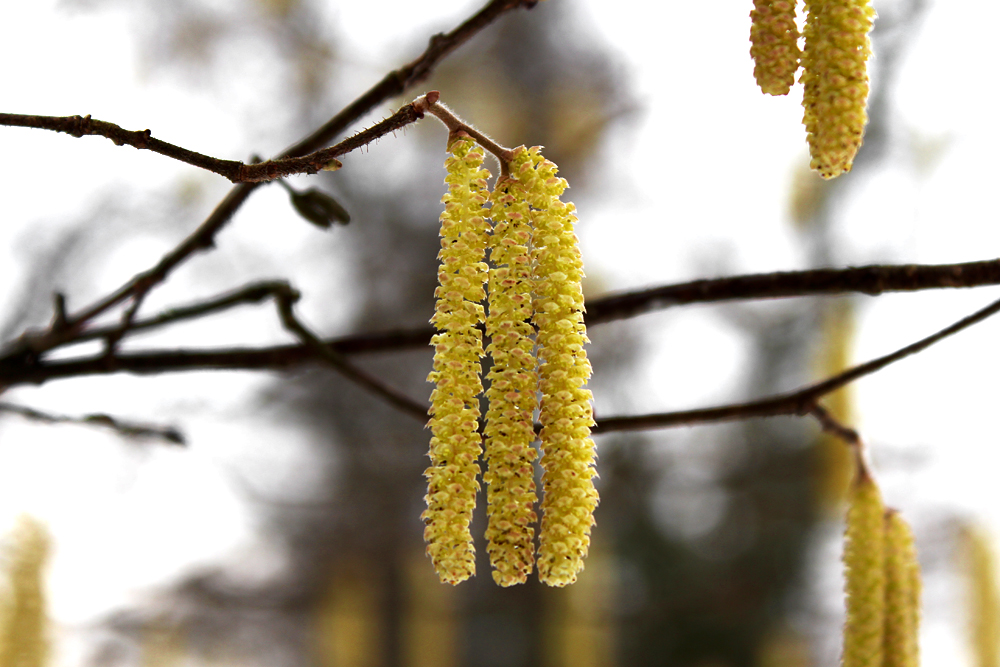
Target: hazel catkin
<point>568,453</point>
<point>510,475</point>
<point>835,77</point>
<point>902,594</point>
<point>864,575</point>
<point>774,45</point>
<point>455,443</point>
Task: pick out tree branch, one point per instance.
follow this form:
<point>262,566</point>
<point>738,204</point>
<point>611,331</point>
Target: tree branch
<point>286,300</point>
<point>79,126</point>
<point>125,428</point>
<point>829,424</point>
<point>234,170</point>
<point>20,369</point>
<point>871,280</point>
<point>253,293</point>
<point>64,330</point>
<point>799,402</point>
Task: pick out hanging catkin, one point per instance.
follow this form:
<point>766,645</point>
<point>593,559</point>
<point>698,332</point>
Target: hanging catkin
<point>774,45</point>
<point>513,389</point>
<point>864,574</point>
<point>566,416</point>
<point>835,76</point>
<point>902,594</point>
<point>455,443</point>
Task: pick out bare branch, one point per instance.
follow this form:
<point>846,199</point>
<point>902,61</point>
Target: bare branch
<point>799,402</point>
<point>234,170</point>
<point>872,280</point>
<point>286,300</point>
<point>31,344</point>
<point>21,368</point>
<point>253,293</point>
<point>830,425</point>
<point>79,126</point>
<point>122,427</point>
<point>850,437</point>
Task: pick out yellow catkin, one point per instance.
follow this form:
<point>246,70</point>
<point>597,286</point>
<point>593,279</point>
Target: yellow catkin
<point>774,45</point>
<point>455,443</point>
<point>566,415</point>
<point>513,389</point>
<point>864,574</point>
<point>983,599</point>
<point>902,594</point>
<point>23,628</point>
<point>835,77</point>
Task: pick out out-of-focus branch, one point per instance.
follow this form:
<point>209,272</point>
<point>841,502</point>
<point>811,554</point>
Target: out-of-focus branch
<point>253,293</point>
<point>31,344</point>
<point>286,300</point>
<point>122,427</point>
<point>800,402</point>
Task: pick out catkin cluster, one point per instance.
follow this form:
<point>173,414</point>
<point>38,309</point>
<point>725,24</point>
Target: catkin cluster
<point>882,582</point>
<point>535,279</point>
<point>834,71</point>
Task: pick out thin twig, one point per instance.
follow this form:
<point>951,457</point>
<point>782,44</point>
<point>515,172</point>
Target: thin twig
<point>798,402</point>
<point>831,425</point>
<point>80,126</point>
<point>122,427</point>
<point>285,302</point>
<point>253,293</point>
<point>457,126</point>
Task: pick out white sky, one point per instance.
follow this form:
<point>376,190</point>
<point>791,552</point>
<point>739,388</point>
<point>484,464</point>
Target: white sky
<point>707,168</point>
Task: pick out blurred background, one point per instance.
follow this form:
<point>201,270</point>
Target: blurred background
<point>286,532</point>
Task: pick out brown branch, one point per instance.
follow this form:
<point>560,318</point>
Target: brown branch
<point>33,343</point>
<point>799,402</point>
<point>253,293</point>
<point>304,157</point>
<point>285,301</point>
<point>831,425</point>
<point>80,126</point>
<point>871,280</point>
<point>457,126</point>
<point>125,428</point>
<point>234,170</point>
<point>403,79</point>
<point>19,369</point>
